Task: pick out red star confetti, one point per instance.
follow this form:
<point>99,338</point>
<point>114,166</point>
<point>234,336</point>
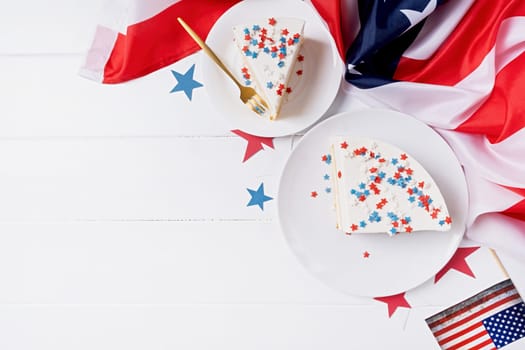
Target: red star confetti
<point>458,262</point>
<point>393,302</point>
<point>366,254</point>
<point>313,194</point>
<point>254,143</point>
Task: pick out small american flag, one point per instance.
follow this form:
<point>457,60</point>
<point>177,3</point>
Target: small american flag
<point>490,319</point>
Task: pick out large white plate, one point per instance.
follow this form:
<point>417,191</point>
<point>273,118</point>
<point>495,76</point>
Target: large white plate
<point>395,264</point>
<point>314,91</point>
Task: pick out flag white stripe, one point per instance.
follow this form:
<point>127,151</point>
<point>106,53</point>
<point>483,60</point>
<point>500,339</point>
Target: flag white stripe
<point>510,235</point>
<point>486,196</point>
<point>501,163</point>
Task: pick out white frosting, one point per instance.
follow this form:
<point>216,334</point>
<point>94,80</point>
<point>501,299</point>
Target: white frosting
<point>380,188</point>
<point>270,47</point>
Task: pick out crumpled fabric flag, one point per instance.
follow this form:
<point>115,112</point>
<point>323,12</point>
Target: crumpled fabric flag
<point>141,37</point>
<point>458,66</point>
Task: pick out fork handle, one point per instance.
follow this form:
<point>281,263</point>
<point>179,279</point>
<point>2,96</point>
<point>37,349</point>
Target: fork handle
<point>207,50</point>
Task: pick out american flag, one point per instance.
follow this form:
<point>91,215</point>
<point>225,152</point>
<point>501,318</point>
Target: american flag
<point>490,319</point>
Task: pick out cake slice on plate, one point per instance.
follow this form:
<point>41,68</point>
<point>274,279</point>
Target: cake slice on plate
<point>379,188</point>
<point>270,48</point>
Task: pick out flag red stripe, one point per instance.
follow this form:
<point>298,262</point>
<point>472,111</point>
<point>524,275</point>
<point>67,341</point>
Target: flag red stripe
<point>472,305</point>
<point>476,33</point>
<point>460,333</point>
<point>476,314</point>
<point>482,344</point>
<point>160,40</point>
<point>517,211</point>
<point>503,113</point>
<point>330,10</point>
<point>468,340</point>
<point>520,191</point>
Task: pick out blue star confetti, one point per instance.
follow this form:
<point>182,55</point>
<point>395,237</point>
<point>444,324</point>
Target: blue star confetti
<point>258,197</point>
<point>185,82</point>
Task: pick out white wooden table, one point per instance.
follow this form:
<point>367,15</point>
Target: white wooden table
<point>113,236</point>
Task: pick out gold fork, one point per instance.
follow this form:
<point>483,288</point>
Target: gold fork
<point>248,95</point>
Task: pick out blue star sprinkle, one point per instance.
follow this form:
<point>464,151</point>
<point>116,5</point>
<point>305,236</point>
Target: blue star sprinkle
<point>258,197</point>
<point>185,82</point>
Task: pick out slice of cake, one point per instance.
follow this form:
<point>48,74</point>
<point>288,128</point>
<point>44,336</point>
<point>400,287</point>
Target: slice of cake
<point>380,188</point>
<point>270,48</point>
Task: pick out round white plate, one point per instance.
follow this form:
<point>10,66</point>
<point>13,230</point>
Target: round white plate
<point>394,264</point>
<point>313,91</point>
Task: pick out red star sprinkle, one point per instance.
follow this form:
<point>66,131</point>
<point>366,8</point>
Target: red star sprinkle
<point>264,31</point>
<point>393,302</point>
<point>324,158</point>
<point>300,58</point>
<point>339,174</point>
<point>448,220</point>
<point>272,21</point>
<point>299,72</point>
<point>408,229</point>
<point>373,170</point>
<point>255,143</point>
<point>288,90</point>
<point>285,31</point>
<point>409,171</point>
<point>421,184</point>
<point>458,262</point>
<point>354,227</point>
<point>313,194</point>
<point>403,156</point>
<point>247,37</point>
<point>261,44</point>
<point>344,145</point>
<point>366,254</point>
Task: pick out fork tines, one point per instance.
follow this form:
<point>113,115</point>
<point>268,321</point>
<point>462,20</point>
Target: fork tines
<point>257,104</point>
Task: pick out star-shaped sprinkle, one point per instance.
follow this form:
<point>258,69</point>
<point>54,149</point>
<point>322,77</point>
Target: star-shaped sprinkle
<point>393,302</point>
<point>185,82</point>
<point>458,262</point>
<point>258,197</point>
<point>313,194</point>
<point>254,143</point>
<point>366,254</point>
